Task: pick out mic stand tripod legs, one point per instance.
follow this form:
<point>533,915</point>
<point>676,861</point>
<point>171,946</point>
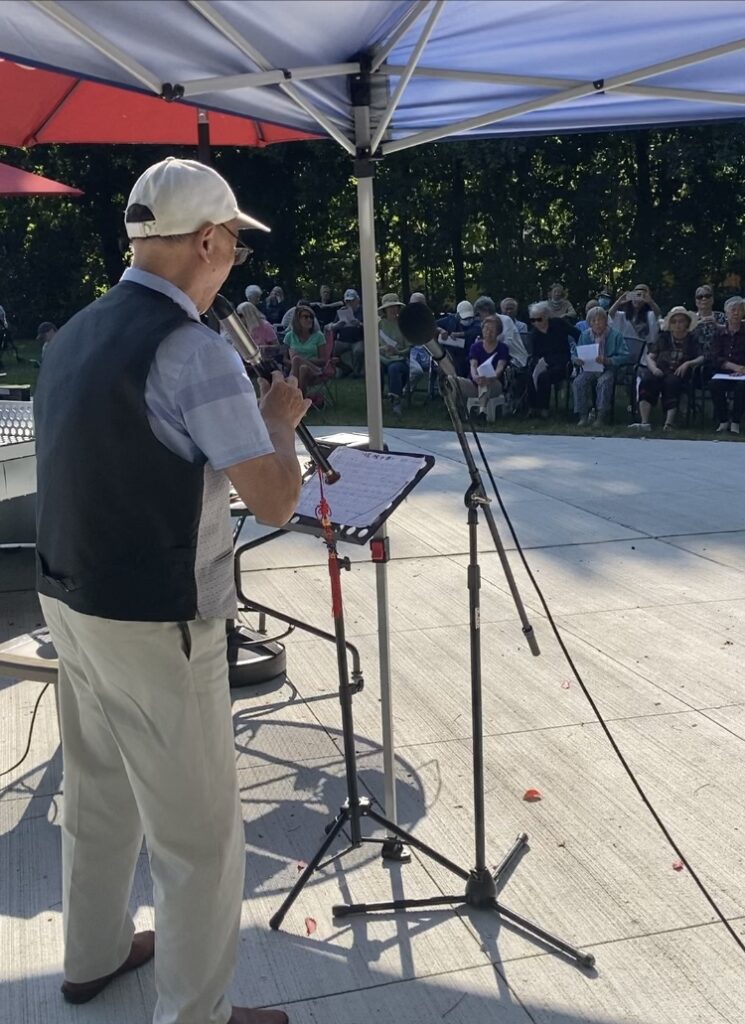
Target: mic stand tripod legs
<point>482,885</point>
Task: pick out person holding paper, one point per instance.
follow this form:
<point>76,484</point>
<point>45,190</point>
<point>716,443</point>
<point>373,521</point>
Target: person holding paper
<point>671,361</point>
<point>600,350</point>
<point>488,358</point>
<point>549,342</point>
<point>728,357</point>
<point>394,350</point>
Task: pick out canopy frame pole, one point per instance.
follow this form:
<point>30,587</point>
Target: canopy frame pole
<point>482,77</point>
<point>628,78</point>
<point>387,44</point>
<point>249,50</point>
<point>406,76</point>
<point>496,78</point>
<point>260,79</point>
<point>364,170</point>
<point>104,46</point>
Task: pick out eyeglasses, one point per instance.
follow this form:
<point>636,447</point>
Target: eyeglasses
<point>704,295</point>
<point>537,319</point>
<point>306,316</point>
<point>241,251</point>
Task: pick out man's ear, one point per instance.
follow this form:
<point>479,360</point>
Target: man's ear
<point>206,242</point>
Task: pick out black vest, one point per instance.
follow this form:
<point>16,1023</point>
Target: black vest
<point>117,512</point>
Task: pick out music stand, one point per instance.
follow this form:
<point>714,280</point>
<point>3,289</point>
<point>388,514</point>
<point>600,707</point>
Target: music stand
<point>482,885</point>
<point>372,485</point>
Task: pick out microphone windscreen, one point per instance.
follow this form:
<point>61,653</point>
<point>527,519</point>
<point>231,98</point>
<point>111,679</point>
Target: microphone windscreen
<point>417,323</point>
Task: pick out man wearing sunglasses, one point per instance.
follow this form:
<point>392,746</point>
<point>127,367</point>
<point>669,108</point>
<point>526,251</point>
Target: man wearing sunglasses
<point>144,416</point>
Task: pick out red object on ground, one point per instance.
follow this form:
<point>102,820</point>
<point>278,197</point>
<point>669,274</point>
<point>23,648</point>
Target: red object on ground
<point>46,106</point>
<point>15,182</point>
<point>310,925</point>
<point>531,795</point>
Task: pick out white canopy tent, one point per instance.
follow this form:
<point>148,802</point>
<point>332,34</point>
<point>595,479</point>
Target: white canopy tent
<point>378,76</point>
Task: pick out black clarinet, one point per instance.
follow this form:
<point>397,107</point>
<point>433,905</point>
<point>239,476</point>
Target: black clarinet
<point>250,353</point>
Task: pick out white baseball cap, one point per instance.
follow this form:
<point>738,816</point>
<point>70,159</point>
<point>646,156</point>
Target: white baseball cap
<point>464,310</point>
<point>177,197</point>
<point>350,294</point>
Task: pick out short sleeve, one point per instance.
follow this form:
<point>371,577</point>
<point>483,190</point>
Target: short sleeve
<point>200,402</point>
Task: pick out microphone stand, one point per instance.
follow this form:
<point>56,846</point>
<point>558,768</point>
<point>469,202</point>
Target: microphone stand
<point>482,885</point>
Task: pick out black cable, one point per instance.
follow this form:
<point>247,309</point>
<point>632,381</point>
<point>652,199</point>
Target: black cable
<point>601,721</point>
<point>18,764</point>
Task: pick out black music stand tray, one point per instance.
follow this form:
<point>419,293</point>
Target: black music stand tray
<point>481,885</point>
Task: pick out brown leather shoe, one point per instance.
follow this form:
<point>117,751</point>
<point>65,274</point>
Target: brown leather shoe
<point>245,1015</point>
<point>143,949</point>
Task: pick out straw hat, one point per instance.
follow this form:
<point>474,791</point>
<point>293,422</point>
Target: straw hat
<point>680,311</point>
<point>391,299</point>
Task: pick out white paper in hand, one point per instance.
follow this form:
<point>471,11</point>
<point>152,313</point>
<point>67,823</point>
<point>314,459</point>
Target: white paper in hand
<point>487,368</point>
<point>589,354</point>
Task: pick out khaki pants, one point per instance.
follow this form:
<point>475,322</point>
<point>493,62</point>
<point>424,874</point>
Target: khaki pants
<point>147,742</point>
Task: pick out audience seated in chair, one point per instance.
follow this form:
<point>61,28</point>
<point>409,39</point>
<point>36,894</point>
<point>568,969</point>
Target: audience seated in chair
<point>394,351</point>
<point>305,345</point>
<point>728,356</point>
<point>671,360</point>
<point>613,352</point>
<point>490,350</point>
<point>550,359</point>
<point>348,335</point>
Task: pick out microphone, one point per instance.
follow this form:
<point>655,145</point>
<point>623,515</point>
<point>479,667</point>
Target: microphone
<point>418,326</point>
<point>250,353</point>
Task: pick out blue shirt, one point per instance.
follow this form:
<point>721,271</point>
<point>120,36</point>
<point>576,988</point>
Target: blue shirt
<point>199,401</point>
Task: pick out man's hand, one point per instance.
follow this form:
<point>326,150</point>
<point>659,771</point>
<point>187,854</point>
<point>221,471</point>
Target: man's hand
<point>657,371</point>
<point>682,370</point>
<point>282,404</point>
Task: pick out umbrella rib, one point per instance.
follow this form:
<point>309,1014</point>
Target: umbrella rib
<point>33,137</point>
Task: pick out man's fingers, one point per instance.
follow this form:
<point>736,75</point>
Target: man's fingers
<point>291,380</point>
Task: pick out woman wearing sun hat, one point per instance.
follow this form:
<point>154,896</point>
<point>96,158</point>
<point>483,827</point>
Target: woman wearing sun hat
<point>671,360</point>
<point>394,350</point>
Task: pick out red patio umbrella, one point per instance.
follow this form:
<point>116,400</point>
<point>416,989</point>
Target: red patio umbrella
<point>15,182</point>
<point>42,106</point>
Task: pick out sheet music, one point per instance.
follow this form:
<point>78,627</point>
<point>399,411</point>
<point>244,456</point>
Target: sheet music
<point>369,483</point>
<point>728,376</point>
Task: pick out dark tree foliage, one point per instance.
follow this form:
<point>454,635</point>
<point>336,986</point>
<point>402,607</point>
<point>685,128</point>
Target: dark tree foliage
<point>502,216</point>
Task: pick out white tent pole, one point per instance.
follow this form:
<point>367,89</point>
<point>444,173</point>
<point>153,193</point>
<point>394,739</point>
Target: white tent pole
<point>364,170</point>
<point>398,33</point>
<point>241,43</point>
<point>258,79</point>
<point>577,92</point>
<point>689,95</point>
<point>485,77</point>
<point>406,76</point>
<point>495,78</point>
<point>104,46</point>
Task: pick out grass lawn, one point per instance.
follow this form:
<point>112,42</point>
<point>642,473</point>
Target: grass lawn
<point>24,372</point>
<point>349,409</point>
